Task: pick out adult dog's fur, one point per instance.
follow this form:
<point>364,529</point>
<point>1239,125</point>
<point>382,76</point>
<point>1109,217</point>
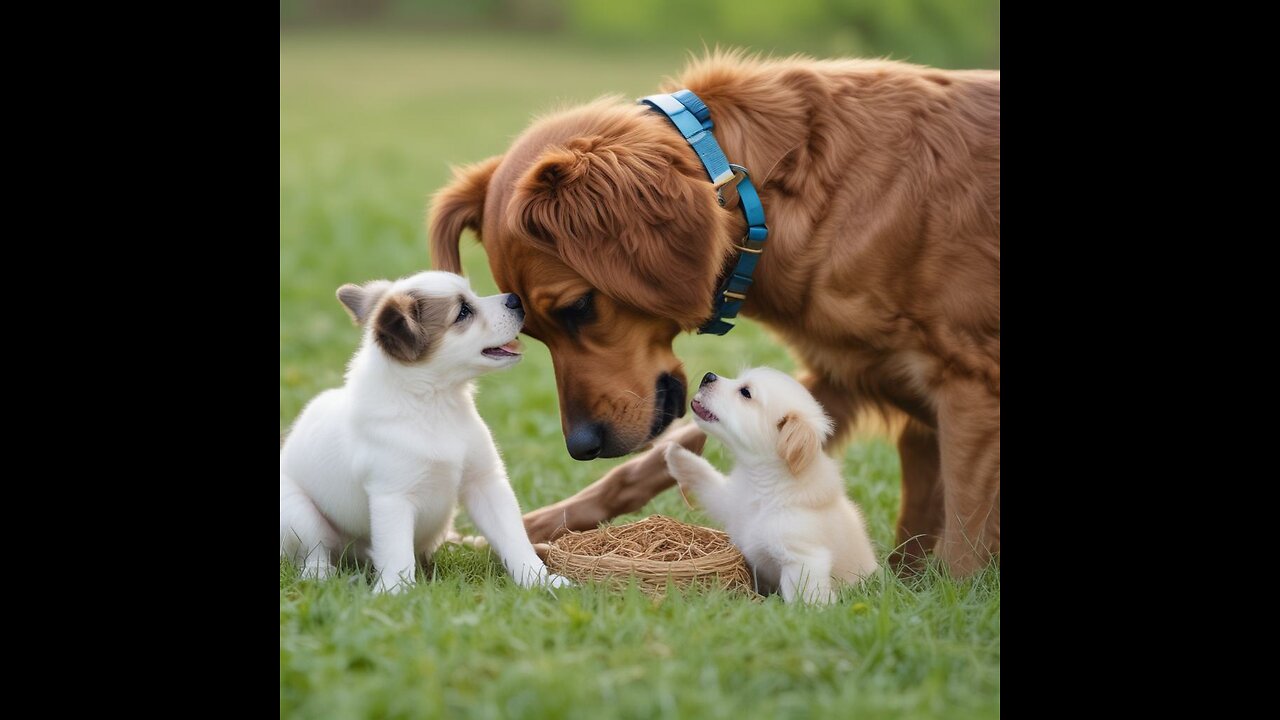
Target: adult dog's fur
<point>784,505</point>
<point>881,183</point>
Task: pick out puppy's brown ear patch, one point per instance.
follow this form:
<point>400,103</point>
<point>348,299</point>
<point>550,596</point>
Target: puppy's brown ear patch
<point>798,442</point>
<point>398,328</point>
<point>359,300</point>
<point>408,326</point>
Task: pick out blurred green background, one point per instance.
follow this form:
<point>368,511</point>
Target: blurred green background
<point>943,33</point>
<point>377,99</point>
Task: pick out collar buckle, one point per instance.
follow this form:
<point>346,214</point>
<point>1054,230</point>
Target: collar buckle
<point>730,181</point>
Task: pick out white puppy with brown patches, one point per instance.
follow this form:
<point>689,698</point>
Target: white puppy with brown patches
<point>784,505</point>
<point>376,468</point>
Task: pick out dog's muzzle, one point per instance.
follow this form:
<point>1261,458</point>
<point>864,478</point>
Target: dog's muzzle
<point>588,440</point>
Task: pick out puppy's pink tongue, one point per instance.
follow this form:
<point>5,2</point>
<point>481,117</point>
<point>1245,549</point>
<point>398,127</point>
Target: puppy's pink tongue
<point>510,349</point>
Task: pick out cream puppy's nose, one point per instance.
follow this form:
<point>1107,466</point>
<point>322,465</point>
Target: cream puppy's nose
<point>708,379</point>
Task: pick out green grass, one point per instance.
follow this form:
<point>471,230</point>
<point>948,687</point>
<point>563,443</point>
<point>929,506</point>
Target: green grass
<point>368,126</point>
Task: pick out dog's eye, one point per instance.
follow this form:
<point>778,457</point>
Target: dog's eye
<point>745,392</point>
<point>463,313</point>
<point>581,306</point>
<point>581,312</point>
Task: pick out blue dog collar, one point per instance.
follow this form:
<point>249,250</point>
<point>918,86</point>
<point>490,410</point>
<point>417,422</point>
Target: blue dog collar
<point>693,119</point>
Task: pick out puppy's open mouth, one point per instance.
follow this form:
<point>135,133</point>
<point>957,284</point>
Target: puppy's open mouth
<point>511,349</point>
<point>701,411</point>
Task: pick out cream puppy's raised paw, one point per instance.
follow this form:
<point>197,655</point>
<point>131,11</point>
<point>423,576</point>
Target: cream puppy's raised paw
<point>784,505</point>
<point>376,467</point>
<point>694,474</point>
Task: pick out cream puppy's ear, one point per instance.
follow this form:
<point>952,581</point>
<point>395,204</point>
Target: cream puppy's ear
<point>798,442</point>
<point>359,300</point>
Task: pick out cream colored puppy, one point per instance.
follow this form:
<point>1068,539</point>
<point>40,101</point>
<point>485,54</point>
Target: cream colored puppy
<point>784,504</point>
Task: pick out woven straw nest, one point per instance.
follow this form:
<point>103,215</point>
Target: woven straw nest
<point>652,551</point>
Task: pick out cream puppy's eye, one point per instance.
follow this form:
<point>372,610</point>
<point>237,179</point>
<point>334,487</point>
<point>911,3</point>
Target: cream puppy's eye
<point>463,313</point>
<point>745,392</point>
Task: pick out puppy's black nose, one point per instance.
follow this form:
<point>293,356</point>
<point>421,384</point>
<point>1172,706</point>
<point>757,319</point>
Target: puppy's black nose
<point>585,441</point>
<point>513,301</point>
<point>708,379</point>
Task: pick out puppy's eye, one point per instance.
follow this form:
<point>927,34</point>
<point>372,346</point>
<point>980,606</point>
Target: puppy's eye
<point>745,392</point>
<point>463,313</point>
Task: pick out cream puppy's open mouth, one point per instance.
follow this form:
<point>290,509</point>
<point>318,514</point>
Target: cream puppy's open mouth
<point>511,349</point>
<point>702,412</point>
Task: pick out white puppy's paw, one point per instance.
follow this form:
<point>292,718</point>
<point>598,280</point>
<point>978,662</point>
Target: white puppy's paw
<point>532,576</point>
<point>317,571</point>
<point>392,585</point>
<point>556,581</point>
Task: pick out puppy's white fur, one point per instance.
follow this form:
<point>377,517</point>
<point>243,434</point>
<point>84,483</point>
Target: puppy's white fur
<point>375,468</point>
<point>784,505</point>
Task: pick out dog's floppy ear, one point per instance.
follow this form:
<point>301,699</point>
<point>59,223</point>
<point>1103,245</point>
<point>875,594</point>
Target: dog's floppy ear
<point>459,206</point>
<point>799,442</point>
<point>359,300</point>
<point>633,217</point>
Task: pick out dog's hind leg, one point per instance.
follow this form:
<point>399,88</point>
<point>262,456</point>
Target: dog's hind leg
<point>969,435</point>
<point>306,537</point>
<point>920,519</point>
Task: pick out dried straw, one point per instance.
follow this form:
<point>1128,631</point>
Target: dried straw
<point>652,551</point>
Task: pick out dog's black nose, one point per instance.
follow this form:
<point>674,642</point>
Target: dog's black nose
<point>585,441</point>
<point>708,379</point>
<point>513,301</point>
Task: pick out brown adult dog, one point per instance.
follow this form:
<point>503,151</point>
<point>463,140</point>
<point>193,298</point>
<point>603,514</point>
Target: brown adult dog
<point>881,183</point>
